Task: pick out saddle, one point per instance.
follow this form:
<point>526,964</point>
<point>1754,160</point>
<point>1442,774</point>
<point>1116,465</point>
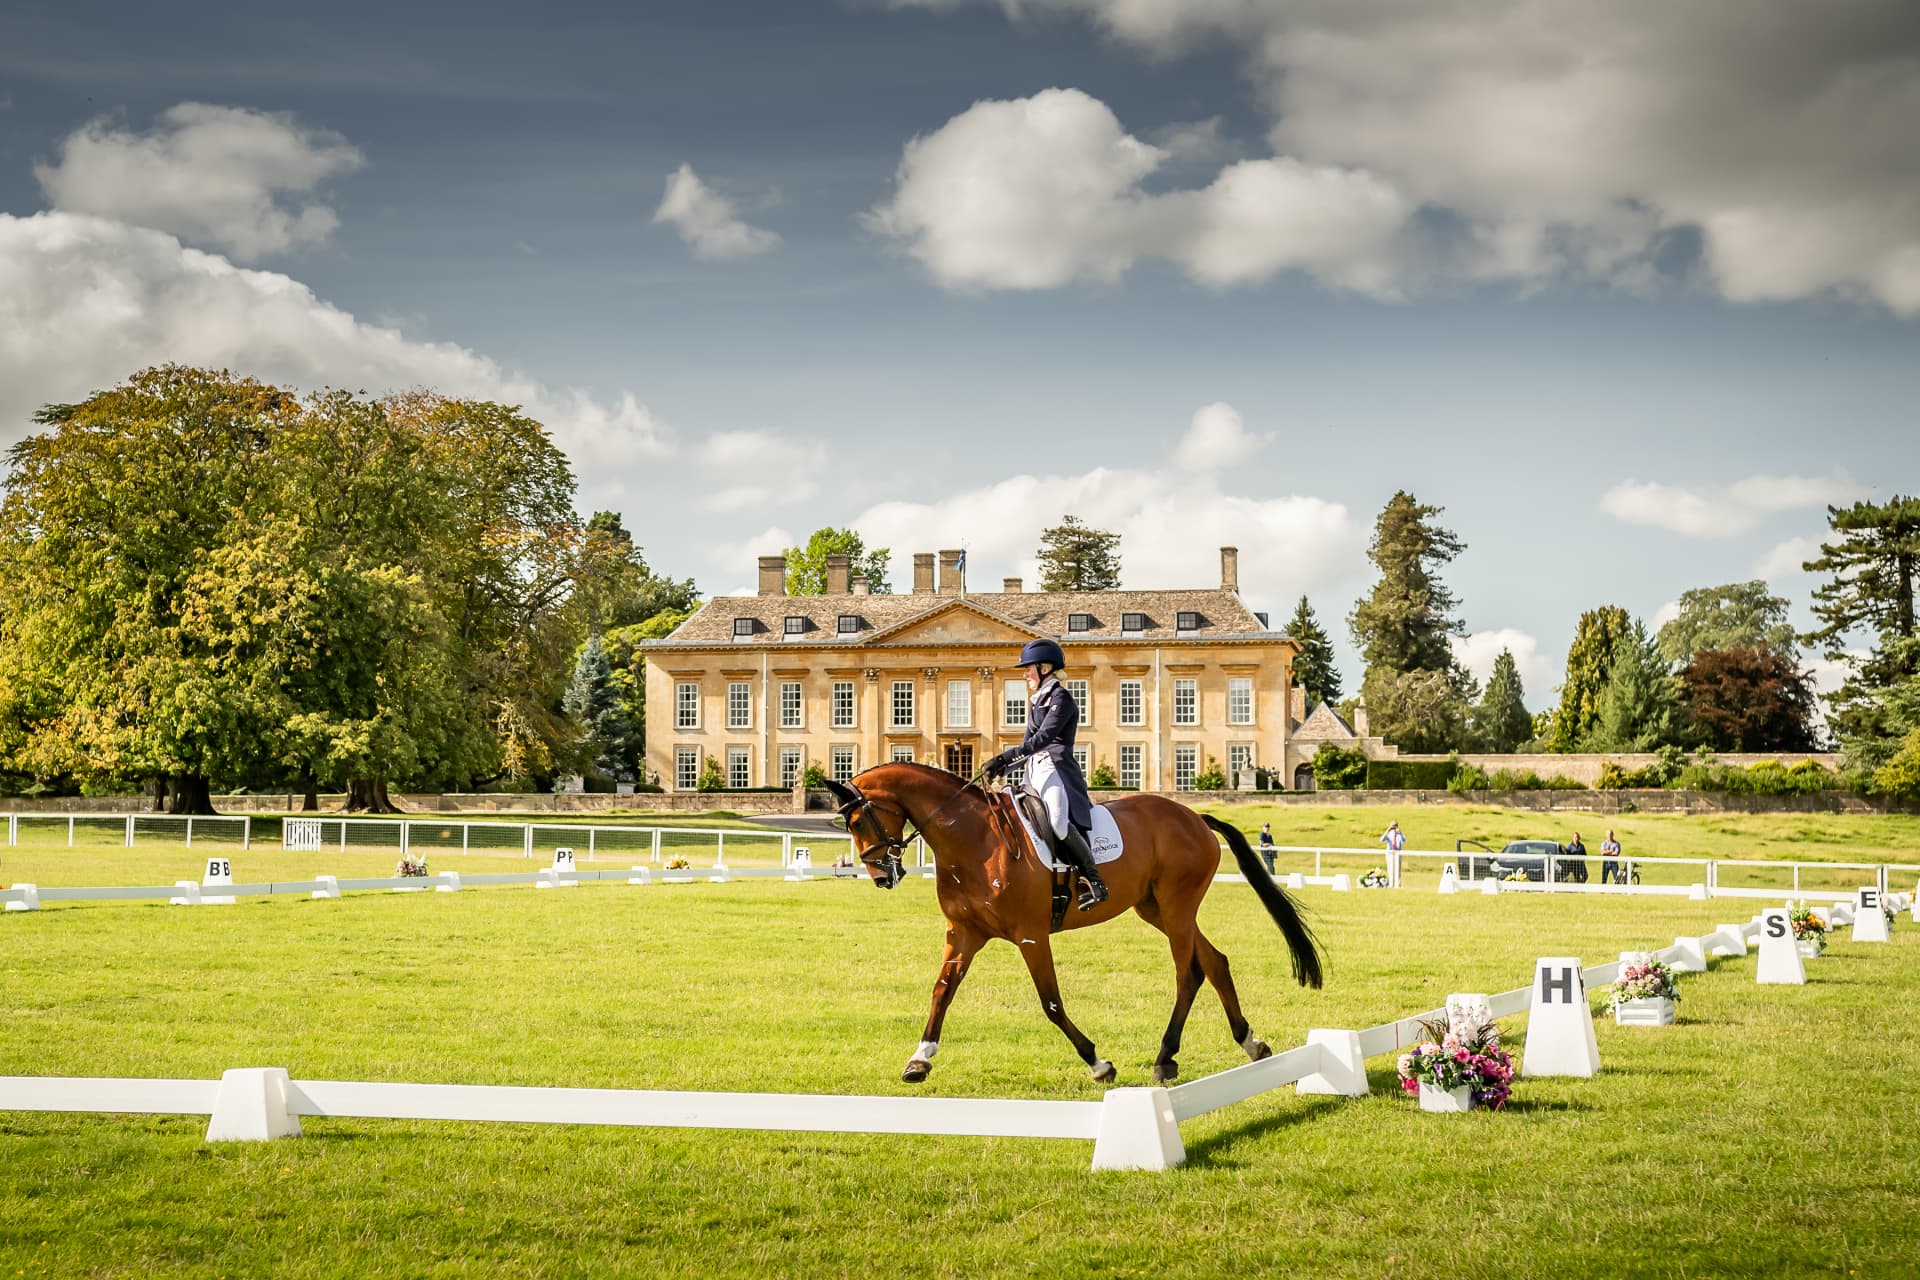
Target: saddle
<point>1064,873</point>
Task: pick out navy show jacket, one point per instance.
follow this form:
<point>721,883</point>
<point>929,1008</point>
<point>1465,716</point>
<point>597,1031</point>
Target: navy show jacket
<point>1052,720</point>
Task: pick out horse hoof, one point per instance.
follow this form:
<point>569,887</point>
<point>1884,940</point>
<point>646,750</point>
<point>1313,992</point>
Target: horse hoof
<point>1166,1072</point>
<point>916,1071</point>
<point>1258,1049</point>
<point>1103,1072</point>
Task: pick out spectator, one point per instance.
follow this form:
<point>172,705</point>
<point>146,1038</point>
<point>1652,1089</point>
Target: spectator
<point>1577,870</point>
<point>1610,869</point>
<point>1266,844</point>
<point>1394,838</point>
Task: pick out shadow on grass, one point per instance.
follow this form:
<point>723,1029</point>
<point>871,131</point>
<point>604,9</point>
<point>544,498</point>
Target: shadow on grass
<point>1208,1150</point>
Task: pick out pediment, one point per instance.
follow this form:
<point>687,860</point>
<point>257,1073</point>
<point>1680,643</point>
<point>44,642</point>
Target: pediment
<point>956,622</point>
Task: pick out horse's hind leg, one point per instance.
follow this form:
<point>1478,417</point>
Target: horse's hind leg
<point>961,948</point>
<point>1188,975</point>
<point>1214,962</point>
<point>1038,953</point>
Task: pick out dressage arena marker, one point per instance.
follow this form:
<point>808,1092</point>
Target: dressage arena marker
<point>1449,879</point>
<point>1869,922</point>
<point>1131,1128</point>
<point>219,873</point>
<point>1560,1038</point>
<point>1779,957</point>
<point>562,865</point>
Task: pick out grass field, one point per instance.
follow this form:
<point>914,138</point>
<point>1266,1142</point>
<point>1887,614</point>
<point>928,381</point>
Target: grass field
<point>1770,1132</point>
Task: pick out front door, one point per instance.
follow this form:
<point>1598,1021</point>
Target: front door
<point>960,758</point>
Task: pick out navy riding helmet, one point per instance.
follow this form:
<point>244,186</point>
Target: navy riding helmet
<point>1043,650</point>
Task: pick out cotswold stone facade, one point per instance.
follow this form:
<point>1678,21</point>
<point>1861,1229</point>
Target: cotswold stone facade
<point>1168,681</point>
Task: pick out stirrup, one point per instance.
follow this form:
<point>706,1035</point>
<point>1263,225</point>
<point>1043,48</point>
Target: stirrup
<point>1093,890</point>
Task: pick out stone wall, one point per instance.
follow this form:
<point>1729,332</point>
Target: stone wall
<point>1586,767</point>
<point>1639,801</point>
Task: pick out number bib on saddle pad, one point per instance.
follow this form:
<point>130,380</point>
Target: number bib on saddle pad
<point>1105,837</point>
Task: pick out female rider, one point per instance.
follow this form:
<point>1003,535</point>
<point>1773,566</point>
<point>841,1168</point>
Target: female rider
<point>1052,719</point>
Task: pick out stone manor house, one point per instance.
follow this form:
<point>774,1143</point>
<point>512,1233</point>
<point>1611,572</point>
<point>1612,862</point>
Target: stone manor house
<point>1166,681</point>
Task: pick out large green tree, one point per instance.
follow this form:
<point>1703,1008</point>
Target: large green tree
<point>1639,708</point>
<point>1734,616</point>
<point>1588,662</point>
<point>807,566</point>
<point>1314,670</point>
<point>1871,564</point>
<point>609,743</point>
<point>1404,628</point>
<point>1501,721</point>
<point>1074,556</point>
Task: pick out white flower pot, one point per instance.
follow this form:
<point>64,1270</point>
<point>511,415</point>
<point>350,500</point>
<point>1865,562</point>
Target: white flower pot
<point>1809,948</point>
<point>1655,1012</point>
<point>1433,1098</point>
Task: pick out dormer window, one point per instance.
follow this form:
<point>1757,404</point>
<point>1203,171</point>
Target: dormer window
<point>849,623</point>
<point>796,625</point>
<point>1133,622</point>
<point>1080,622</point>
<point>1187,620</point>
<point>743,628</point>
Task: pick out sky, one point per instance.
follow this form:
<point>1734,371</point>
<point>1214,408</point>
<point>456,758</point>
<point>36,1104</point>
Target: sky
<point>1631,293</point>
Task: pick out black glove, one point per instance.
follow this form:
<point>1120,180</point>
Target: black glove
<point>997,767</point>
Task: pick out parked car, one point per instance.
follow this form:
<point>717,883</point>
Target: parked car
<point>1528,858</point>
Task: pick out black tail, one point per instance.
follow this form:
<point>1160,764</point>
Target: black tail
<point>1300,939</point>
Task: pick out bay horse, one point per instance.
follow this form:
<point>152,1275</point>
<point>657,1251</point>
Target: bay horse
<point>990,885</point>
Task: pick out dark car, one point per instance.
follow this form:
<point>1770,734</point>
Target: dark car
<point>1528,858</point>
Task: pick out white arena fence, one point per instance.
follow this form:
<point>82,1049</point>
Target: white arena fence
<point>1131,1128</point>
<point>44,830</point>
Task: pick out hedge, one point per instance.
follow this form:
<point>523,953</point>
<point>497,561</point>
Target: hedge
<point>1409,775</point>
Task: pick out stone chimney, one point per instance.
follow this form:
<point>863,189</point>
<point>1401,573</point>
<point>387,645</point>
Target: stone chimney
<point>923,573</point>
<point>1298,700</point>
<point>953,573</point>
<point>1010,585</point>
<point>859,584</point>
<point>838,566</point>
<point>1361,728</point>
<point>1230,569</point>
<point>773,575</point>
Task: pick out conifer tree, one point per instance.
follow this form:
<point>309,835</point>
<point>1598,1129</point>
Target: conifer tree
<point>1501,720</point>
<point>608,743</point>
<point>1588,661</point>
<point>1639,709</point>
<point>1074,556</point>
<point>1416,691</point>
<point>1313,670</point>
<point>1873,562</point>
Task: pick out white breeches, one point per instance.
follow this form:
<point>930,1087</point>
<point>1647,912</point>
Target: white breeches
<point>1047,783</point>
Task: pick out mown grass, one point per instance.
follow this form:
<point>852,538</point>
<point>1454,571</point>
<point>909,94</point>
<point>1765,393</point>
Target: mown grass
<point>1769,1133</point>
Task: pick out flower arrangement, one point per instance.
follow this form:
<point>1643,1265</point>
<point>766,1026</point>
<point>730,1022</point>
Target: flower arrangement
<point>1376,878</point>
<point>1807,927</point>
<point>677,863</point>
<point>1644,979</point>
<point>410,865</point>
<point>1463,1049</point>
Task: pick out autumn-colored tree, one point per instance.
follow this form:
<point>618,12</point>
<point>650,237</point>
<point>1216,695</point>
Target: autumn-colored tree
<point>1750,698</point>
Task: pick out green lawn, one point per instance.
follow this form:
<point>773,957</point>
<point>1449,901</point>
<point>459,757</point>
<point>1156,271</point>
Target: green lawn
<point>1769,1133</point>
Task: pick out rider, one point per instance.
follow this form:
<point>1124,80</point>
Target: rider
<point>1052,718</point>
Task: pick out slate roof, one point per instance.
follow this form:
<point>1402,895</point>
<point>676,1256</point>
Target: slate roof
<point>1222,616</point>
<point>1324,725</point>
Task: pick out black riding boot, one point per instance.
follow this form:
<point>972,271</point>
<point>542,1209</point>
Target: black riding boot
<point>1093,890</point>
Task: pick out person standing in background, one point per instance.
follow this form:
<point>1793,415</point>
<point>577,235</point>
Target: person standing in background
<point>1394,838</point>
<point>1266,844</point>
<point>1610,860</point>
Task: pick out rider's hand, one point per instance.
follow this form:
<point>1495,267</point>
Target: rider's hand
<point>997,767</point>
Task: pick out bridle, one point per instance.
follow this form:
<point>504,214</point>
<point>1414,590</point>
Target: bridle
<point>886,853</point>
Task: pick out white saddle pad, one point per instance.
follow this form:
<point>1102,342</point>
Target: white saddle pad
<point>1105,838</point>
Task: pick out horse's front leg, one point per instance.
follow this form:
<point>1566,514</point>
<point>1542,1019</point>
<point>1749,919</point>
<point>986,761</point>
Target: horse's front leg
<point>962,945</point>
<point>1038,953</point>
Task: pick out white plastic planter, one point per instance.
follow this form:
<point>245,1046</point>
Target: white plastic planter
<point>1433,1098</point>
<point>1653,1012</point>
<point>1810,948</point>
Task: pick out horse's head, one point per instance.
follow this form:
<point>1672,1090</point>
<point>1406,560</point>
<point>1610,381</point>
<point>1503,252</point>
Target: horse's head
<point>879,833</point>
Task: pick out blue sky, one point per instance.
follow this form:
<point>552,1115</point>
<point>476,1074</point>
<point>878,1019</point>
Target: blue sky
<point>1632,303</point>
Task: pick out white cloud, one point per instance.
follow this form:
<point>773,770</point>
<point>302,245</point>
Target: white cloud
<point>1580,140</point>
<point>85,301</point>
<point>1666,613</point>
<point>707,221</point>
<point>791,465</point>
<point>225,177</point>
<point>1044,191</point>
<point>1539,673</point>
<point>1171,530</point>
<point>1830,673</point>
<point>1786,558</point>
<point>1218,438</point>
<point>745,556</point>
<point>1722,511</point>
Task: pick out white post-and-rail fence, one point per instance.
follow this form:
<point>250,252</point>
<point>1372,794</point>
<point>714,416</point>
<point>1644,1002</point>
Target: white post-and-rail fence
<point>429,836</point>
<point>1668,877</point>
<point>1131,1128</point>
